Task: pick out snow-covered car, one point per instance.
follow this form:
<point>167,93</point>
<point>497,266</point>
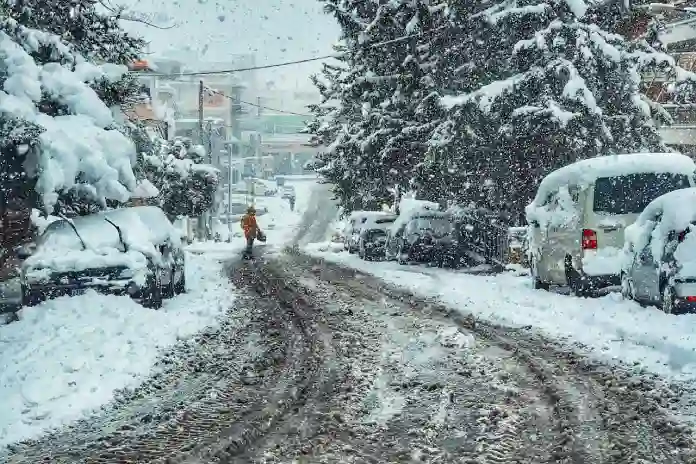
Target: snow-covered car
<point>578,217</point>
<point>373,237</point>
<point>354,224</point>
<point>130,251</point>
<point>429,237</point>
<point>659,257</point>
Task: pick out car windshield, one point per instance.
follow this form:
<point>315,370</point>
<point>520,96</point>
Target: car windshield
<point>375,234</point>
<point>96,234</point>
<point>630,194</point>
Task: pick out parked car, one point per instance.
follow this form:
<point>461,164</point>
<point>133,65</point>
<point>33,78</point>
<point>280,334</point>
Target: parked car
<point>132,251</point>
<point>354,225</point>
<point>373,237</point>
<point>659,262</point>
<point>429,237</point>
<point>288,191</point>
<point>578,217</point>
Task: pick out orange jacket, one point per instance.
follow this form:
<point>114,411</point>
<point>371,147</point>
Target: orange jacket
<point>249,225</point>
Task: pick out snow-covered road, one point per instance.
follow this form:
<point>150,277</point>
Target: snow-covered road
<point>319,362</point>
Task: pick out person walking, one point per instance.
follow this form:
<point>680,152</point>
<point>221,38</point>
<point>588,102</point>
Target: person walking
<point>251,229</point>
<point>291,198</point>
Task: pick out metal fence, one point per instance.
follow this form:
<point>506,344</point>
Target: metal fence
<point>486,236</point>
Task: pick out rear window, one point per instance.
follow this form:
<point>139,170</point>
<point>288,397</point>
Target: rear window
<point>630,194</point>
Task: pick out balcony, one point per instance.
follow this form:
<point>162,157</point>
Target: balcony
<point>683,129</point>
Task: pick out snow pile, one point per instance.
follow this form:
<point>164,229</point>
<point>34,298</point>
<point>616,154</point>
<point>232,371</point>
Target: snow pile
<point>668,215</point>
<point>74,145</point>
<point>65,357</point>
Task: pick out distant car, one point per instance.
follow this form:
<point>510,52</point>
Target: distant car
<point>288,192</point>
<point>130,251</point>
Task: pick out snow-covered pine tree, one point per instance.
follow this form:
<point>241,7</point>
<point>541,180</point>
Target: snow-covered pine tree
<point>568,90</point>
<point>53,124</point>
<point>383,112</point>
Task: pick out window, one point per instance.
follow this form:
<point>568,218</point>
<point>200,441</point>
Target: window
<point>631,193</point>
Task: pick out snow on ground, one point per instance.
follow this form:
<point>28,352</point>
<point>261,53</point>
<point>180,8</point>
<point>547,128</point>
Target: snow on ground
<point>65,357</point>
<point>609,327</point>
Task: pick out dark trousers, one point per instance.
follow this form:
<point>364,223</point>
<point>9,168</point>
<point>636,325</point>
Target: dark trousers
<point>250,243</point>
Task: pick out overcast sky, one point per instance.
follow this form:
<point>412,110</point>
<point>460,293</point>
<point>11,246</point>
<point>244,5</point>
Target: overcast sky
<point>276,30</point>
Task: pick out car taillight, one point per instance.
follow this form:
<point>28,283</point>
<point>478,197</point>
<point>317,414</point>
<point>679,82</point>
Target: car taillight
<point>690,299</point>
<point>681,236</point>
<point>589,239</point>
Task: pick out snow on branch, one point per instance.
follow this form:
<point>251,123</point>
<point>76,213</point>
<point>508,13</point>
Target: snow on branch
<point>77,143</point>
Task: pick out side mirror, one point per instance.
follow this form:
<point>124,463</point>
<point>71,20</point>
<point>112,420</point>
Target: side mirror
<point>23,252</point>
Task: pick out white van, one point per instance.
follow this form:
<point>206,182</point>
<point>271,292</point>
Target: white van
<point>577,219</point>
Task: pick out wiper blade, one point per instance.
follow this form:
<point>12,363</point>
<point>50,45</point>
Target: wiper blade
<point>72,226</point>
<point>120,234</point>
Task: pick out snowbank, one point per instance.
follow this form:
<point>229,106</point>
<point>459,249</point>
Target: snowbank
<point>65,358</point>
<point>611,328</point>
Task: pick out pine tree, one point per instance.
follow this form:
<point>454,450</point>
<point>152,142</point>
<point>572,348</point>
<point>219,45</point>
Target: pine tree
<point>566,90</point>
<point>386,99</point>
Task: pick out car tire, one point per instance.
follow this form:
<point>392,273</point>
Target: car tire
<point>537,283</point>
<point>626,287</point>
<point>152,295</point>
<point>30,298</point>
<point>168,290</point>
<point>578,283</point>
<point>400,256</point>
<point>668,299</point>
<point>180,286</point>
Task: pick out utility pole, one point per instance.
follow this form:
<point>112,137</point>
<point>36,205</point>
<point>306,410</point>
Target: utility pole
<point>201,222</point>
<point>258,107</point>
<point>233,149</point>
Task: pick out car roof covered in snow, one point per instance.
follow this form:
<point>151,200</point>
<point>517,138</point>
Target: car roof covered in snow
<point>587,171</point>
<point>139,225</point>
<point>678,209</point>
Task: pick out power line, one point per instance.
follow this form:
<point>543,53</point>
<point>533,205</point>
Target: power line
<point>257,105</point>
<point>290,63</point>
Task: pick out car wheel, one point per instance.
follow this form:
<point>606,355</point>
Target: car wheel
<point>180,286</point>
<point>668,299</point>
<point>578,283</point>
<point>537,284</point>
<point>30,298</point>
<point>400,256</point>
<point>152,295</point>
<point>170,289</point>
<point>626,287</point>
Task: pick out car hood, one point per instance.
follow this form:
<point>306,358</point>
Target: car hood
<point>48,261</point>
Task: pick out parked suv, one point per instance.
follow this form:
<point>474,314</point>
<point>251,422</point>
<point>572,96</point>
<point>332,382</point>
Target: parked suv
<point>429,237</point>
<point>578,217</point>
<point>355,223</point>
<point>373,237</point>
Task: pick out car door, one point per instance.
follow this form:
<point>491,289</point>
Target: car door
<point>645,275</point>
<point>547,241</point>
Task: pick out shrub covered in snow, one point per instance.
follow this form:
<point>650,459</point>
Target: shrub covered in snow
<point>186,185</point>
